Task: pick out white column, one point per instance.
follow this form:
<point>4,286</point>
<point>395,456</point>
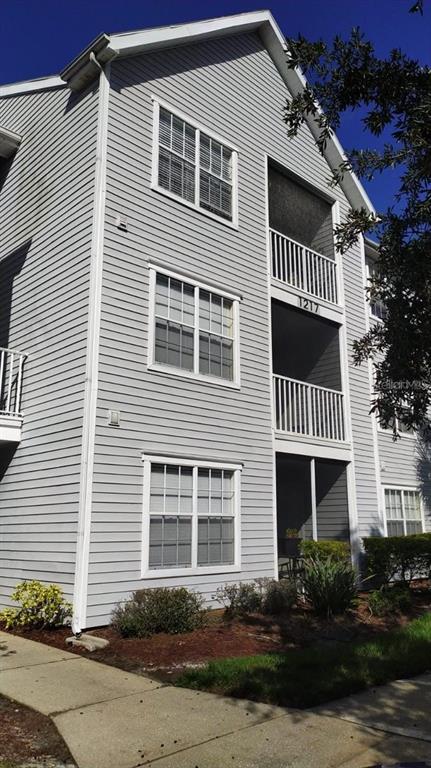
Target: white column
<point>313,498</point>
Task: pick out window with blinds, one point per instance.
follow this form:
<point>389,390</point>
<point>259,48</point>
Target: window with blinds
<point>195,329</point>
<point>194,166</point>
<point>192,513</point>
<point>403,512</point>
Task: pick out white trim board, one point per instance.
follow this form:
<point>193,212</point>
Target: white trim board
<point>92,363</point>
<point>27,86</point>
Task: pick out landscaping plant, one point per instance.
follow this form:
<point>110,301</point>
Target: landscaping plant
<point>398,557</point>
<point>41,606</point>
<point>279,597</point>
<point>151,611</point>
<point>240,599</point>
<point>383,602</point>
<point>338,550</point>
<point>329,585</point>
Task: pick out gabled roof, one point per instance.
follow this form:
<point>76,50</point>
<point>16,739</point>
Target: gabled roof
<point>85,67</point>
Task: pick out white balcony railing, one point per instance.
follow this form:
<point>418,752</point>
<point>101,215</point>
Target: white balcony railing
<point>304,409</point>
<point>302,268</point>
<point>11,373</point>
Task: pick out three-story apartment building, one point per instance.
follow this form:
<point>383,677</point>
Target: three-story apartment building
<point>176,379</point>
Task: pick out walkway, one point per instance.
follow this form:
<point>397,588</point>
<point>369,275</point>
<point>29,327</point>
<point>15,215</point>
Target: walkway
<point>113,719</point>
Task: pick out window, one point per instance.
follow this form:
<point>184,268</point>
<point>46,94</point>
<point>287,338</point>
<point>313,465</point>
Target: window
<point>403,511</point>
<point>195,328</point>
<point>401,426</point>
<point>191,516</point>
<point>191,164</point>
<point>377,307</point>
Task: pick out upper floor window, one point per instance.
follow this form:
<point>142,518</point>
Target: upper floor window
<point>192,164</point>
<point>403,511</point>
<point>195,328</point>
<point>377,307</point>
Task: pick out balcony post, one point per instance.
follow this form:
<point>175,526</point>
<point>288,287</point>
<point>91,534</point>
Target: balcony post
<point>313,498</point>
<point>310,412</point>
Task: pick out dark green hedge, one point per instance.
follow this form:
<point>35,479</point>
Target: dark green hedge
<point>337,550</point>
<point>398,557</point>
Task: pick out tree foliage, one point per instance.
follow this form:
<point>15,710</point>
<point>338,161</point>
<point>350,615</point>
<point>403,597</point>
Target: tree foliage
<point>393,99</point>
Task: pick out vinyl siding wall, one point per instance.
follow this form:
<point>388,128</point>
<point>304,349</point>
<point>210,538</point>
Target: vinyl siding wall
<point>231,86</point>
<point>406,463</point>
<point>46,208</point>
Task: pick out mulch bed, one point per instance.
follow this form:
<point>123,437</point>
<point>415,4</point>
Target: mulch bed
<point>166,656</point>
<point>26,734</point>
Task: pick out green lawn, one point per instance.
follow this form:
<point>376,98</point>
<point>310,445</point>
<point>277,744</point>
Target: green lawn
<point>305,678</point>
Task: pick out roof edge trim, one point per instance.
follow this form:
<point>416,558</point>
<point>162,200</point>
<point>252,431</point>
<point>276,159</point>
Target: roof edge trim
<point>26,86</point>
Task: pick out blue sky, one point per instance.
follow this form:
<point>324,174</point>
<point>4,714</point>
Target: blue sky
<point>39,37</point>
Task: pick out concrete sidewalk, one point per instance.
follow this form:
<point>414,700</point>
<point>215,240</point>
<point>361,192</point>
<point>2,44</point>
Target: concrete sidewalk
<point>113,719</point>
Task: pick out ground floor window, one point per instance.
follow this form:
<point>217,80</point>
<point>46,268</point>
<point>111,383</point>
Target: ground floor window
<point>191,516</point>
<point>403,511</point>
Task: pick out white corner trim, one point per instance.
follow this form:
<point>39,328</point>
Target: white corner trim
<point>374,420</point>
<point>352,502</point>
<point>92,362</point>
<point>270,367</point>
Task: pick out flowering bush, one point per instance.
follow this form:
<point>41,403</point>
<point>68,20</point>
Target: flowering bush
<point>40,606</point>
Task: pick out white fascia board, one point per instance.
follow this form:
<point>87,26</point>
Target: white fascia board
<point>371,245</point>
<point>26,86</point>
<point>130,43</point>
<point>9,142</point>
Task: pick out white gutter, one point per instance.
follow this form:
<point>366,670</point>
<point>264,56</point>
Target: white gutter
<point>92,363</point>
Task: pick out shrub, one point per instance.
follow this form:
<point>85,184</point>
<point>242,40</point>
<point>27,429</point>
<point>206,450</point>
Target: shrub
<point>279,597</point>
<point>329,585</point>
<point>240,599</point>
<point>398,557</point>
<point>383,602</point>
<point>42,606</point>
<point>151,611</point>
<point>338,550</point>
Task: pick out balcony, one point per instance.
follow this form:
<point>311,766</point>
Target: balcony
<point>11,378</point>
<point>301,268</point>
<point>306,410</point>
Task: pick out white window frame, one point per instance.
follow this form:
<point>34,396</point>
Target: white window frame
<point>376,318</point>
<point>194,569</point>
<point>387,430</point>
<point>403,488</point>
<point>157,104</point>
<point>153,365</point>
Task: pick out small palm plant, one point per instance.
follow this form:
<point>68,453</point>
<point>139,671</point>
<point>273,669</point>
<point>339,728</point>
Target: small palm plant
<point>329,585</point>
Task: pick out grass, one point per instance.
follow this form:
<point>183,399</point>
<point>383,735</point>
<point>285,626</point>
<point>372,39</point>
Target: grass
<point>308,677</point>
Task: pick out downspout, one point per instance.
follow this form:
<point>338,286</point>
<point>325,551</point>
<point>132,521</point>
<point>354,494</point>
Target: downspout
<point>92,358</point>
